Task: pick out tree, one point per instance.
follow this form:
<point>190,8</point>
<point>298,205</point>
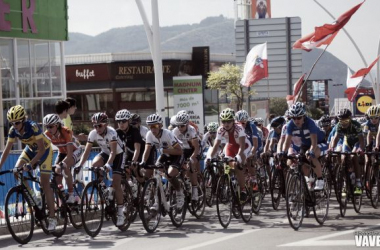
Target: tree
<point>278,106</point>
<point>227,81</point>
<point>314,113</point>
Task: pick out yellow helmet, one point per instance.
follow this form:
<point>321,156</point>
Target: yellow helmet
<point>373,111</point>
<point>16,113</point>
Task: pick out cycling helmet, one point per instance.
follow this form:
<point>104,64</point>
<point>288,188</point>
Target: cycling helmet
<point>99,118</point>
<point>373,111</point>
<point>324,121</point>
<point>297,109</point>
<point>182,118</point>
<point>154,119</point>
<point>227,114</point>
<point>51,119</point>
<point>212,127</point>
<point>173,120</point>
<point>135,118</point>
<point>259,121</point>
<point>362,120</point>
<point>241,115</point>
<point>16,113</point>
<point>123,114</point>
<point>286,115</point>
<point>277,121</point>
<point>344,114</point>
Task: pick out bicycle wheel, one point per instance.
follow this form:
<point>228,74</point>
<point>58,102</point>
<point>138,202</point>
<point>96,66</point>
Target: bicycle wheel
<point>224,201</point>
<point>198,206</point>
<point>276,188</point>
<point>374,186</point>
<point>356,200</point>
<point>295,201</point>
<point>129,208</point>
<point>60,212</point>
<point>92,209</point>
<point>209,186</point>
<point>19,215</point>
<point>150,206</point>
<point>177,214</point>
<point>257,197</point>
<point>341,188</point>
<point>74,209</point>
<point>321,208</point>
<point>41,220</point>
<point>245,208</point>
<point>136,201</point>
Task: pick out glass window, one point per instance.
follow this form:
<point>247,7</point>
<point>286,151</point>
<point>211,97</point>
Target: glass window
<point>27,85</point>
<point>7,66</point>
<point>40,68</point>
<point>55,60</point>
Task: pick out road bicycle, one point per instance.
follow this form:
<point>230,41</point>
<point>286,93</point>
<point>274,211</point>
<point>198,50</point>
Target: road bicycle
<point>211,174</point>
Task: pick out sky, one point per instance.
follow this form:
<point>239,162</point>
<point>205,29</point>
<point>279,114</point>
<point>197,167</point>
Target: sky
<point>93,17</point>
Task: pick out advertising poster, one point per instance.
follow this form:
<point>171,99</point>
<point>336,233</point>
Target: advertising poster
<point>261,9</point>
<point>188,95</point>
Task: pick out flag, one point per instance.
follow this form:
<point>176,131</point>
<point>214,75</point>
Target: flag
<point>324,35</point>
<point>296,90</point>
<point>256,65</point>
<point>352,84</point>
<point>364,71</point>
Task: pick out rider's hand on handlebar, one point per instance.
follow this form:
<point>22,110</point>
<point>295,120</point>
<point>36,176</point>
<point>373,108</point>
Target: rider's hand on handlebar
<point>77,169</point>
<point>107,167</point>
<point>28,167</point>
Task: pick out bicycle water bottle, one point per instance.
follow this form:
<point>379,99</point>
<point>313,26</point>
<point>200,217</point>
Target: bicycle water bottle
<point>133,186</point>
<point>110,193</point>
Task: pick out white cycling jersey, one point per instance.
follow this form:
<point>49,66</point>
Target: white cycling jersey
<point>143,131</point>
<point>104,142</point>
<point>166,139</point>
<point>186,138</point>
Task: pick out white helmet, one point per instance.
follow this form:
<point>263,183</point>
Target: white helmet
<point>182,118</point>
<point>51,119</point>
<point>173,121</point>
<point>241,115</point>
<point>122,115</point>
<point>297,109</point>
<point>259,120</point>
<point>212,127</point>
<point>154,119</point>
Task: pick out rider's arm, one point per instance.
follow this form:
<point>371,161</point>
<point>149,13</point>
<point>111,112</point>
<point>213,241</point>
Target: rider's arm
<point>176,150</point>
<point>215,147</point>
<point>255,142</point>
<point>287,141</point>
<point>146,154</point>
<point>378,139</point>
<point>361,141</point>
<point>314,141</point>
<point>195,143</point>
<point>136,154</point>
<point>86,153</point>
<point>242,148</point>
<point>113,152</point>
<point>5,153</point>
<point>40,153</point>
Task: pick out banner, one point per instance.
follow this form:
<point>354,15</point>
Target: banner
<point>188,95</point>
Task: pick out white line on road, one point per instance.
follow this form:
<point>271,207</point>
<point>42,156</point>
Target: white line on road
<point>219,240</point>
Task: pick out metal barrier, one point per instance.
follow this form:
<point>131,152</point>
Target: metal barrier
<point>10,181</point>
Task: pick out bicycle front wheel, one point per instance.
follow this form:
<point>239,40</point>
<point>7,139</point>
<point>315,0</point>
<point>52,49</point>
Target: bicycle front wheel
<point>374,186</point>
<point>198,206</point>
<point>150,206</point>
<point>295,202</point>
<point>92,209</point>
<point>74,209</point>
<point>209,186</point>
<point>60,213</point>
<point>276,189</point>
<point>19,215</point>
<point>224,201</point>
<point>321,208</point>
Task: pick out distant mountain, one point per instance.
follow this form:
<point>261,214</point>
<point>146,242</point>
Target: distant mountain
<point>216,32</point>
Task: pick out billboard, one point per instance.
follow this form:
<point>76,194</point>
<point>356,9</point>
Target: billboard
<point>261,9</point>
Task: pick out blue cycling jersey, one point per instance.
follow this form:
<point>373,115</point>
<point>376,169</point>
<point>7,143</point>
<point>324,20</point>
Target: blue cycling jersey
<point>251,132</point>
<point>308,127</point>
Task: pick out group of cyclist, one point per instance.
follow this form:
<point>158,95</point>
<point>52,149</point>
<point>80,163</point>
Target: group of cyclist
<point>241,140</point>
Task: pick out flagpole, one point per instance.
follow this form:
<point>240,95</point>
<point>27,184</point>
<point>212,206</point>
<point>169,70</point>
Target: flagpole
<point>356,89</point>
<point>311,70</point>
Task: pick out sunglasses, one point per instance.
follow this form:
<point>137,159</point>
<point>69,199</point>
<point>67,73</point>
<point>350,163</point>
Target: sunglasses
<point>123,121</point>
<point>50,126</point>
<point>297,118</point>
<point>344,121</point>
<point>133,123</point>
<point>374,117</point>
<point>224,122</point>
<point>154,126</point>
<point>97,125</point>
<point>181,126</point>
<point>16,123</point>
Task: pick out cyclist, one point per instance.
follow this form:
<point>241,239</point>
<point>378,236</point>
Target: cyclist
<point>172,123</point>
<point>274,135</point>
<point>69,152</point>
<point>234,150</point>
<point>136,122</point>
<point>353,142</point>
<point>325,124</point>
<point>371,126</point>
<point>171,154</point>
<point>191,148</point>
<point>111,157</point>
<point>312,138</point>
<point>38,151</point>
<point>259,122</point>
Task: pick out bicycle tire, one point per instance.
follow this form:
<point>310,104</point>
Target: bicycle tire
<point>148,198</point>
<point>25,209</point>
<point>198,206</point>
<point>342,194</point>
<point>357,200</point>
<point>245,208</point>
<point>321,208</point>
<point>374,186</point>
<point>295,201</point>
<point>74,209</point>
<point>224,201</point>
<point>92,209</point>
<point>177,215</point>
<point>43,223</point>
<point>275,190</point>
<point>60,212</point>
<point>128,208</point>
<point>209,187</point>
<point>257,197</point>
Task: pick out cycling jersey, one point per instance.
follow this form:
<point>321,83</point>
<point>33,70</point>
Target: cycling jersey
<point>308,127</point>
<point>104,142</point>
<point>32,133</point>
<point>232,138</point>
<point>143,131</point>
<point>207,140</point>
<point>64,138</point>
<point>351,133</point>
<point>275,137</point>
<point>186,137</point>
<point>369,127</point>
<point>129,139</point>
<point>296,140</point>
<point>166,139</point>
<point>251,132</point>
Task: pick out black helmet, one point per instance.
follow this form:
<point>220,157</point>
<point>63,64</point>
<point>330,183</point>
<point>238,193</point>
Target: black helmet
<point>344,114</point>
<point>325,121</point>
<point>277,121</point>
<point>135,117</point>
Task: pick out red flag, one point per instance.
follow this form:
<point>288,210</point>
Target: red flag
<point>352,84</point>
<point>296,90</point>
<point>365,71</point>
<point>323,35</point>
<point>256,65</point>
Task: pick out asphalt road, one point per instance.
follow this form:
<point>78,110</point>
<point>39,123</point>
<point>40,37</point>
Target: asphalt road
<point>268,230</point>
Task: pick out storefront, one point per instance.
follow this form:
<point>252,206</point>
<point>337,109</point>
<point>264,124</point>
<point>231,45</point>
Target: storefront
<point>31,51</point>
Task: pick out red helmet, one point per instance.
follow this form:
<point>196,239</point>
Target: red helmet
<point>99,118</point>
